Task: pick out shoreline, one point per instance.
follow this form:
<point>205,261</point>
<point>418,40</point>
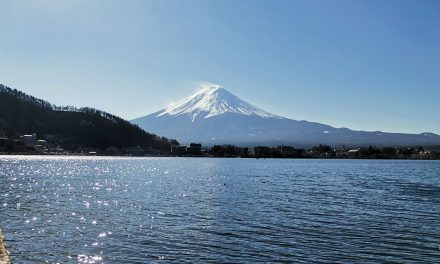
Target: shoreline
<point>75,155</point>
<point>4,253</point>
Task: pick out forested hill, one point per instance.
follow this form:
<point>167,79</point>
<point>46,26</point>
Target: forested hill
<point>72,127</point>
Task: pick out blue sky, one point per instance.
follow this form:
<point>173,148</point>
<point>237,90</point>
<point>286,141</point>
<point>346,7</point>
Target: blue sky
<point>366,65</point>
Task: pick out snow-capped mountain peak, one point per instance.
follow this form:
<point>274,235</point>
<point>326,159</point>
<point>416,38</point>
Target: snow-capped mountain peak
<point>216,116</point>
<point>213,101</point>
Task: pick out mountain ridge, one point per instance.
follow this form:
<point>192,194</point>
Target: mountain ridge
<point>70,127</point>
<point>216,116</point>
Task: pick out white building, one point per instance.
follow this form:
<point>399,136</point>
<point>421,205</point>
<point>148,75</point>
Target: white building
<point>29,140</point>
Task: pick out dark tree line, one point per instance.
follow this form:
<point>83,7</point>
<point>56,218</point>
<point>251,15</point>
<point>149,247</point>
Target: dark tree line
<point>325,151</point>
<point>228,151</point>
<point>71,127</point>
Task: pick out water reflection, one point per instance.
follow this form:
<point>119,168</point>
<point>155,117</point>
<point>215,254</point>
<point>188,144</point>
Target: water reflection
<point>122,210</point>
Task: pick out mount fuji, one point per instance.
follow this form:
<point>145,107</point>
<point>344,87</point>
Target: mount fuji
<point>216,116</point>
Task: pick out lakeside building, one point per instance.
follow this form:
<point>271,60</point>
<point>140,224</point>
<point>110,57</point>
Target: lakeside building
<point>178,150</point>
<point>40,145</point>
<point>353,152</point>
<point>194,149</point>
<point>29,140</point>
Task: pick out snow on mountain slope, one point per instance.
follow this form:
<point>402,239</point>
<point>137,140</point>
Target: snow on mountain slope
<point>213,101</point>
<point>216,116</point>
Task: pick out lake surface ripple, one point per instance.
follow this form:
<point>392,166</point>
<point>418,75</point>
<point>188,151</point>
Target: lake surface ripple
<point>200,210</point>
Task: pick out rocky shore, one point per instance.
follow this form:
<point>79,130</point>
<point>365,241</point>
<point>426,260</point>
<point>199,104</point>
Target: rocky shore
<point>4,254</point>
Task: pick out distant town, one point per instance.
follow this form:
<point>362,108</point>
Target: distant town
<point>30,144</point>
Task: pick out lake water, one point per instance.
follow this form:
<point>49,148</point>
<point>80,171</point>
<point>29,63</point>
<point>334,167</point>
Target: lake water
<point>200,210</point>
